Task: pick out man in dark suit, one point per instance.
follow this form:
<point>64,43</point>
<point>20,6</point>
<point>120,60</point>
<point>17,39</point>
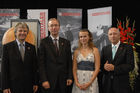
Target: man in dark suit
<point>55,61</point>
<point>115,68</point>
<point>19,69</point>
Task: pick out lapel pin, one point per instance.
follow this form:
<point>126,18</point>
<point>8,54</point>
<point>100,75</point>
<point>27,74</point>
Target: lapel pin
<point>121,48</point>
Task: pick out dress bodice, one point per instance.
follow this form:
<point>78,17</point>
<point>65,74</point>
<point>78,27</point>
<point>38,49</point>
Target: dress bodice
<point>85,63</point>
<point>89,57</point>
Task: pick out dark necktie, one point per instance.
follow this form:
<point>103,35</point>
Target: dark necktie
<point>22,51</point>
<point>56,46</point>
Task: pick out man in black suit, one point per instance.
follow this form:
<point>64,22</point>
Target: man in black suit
<point>19,69</point>
<point>115,68</point>
<point>55,61</point>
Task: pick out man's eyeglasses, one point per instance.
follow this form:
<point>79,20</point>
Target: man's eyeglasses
<point>54,25</point>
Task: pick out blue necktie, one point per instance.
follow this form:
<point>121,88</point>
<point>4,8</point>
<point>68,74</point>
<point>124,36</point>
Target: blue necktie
<point>113,51</point>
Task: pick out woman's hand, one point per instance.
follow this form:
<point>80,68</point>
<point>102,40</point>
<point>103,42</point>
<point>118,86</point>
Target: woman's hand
<point>85,86</point>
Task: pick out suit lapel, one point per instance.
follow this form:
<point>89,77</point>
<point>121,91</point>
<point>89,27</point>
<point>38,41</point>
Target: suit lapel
<point>119,50</point>
<point>51,45</point>
<point>110,53</point>
<point>27,48</point>
<point>17,49</point>
<point>61,44</point>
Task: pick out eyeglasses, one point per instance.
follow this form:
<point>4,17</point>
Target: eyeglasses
<point>54,25</point>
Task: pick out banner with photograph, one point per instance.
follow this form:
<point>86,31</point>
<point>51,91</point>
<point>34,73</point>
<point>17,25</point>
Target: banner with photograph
<point>42,16</point>
<point>99,20</point>
<point>70,24</point>
<point>5,16</point>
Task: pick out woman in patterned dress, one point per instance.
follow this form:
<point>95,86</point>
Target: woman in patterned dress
<point>86,64</point>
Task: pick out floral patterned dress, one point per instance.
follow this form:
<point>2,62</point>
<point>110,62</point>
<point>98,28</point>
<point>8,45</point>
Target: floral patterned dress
<point>85,70</point>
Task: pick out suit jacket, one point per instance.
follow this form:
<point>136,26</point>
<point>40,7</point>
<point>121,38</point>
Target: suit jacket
<point>123,62</point>
<point>55,67</point>
<point>17,75</point>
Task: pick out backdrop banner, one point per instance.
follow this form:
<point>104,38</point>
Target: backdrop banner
<point>42,16</point>
<point>71,23</point>
<point>99,20</point>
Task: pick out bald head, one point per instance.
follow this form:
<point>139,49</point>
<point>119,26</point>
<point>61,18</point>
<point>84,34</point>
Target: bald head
<point>114,35</point>
<point>114,29</point>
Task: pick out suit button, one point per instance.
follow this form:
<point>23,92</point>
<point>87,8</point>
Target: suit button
<point>111,76</point>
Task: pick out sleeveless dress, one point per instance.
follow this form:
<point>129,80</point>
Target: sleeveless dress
<point>85,70</point>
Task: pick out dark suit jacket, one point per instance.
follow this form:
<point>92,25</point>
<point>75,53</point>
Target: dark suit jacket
<point>17,75</point>
<point>123,62</point>
<point>52,67</point>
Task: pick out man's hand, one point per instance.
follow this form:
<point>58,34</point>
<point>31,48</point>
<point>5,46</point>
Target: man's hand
<point>69,82</point>
<point>7,91</point>
<point>35,88</point>
<point>46,84</point>
<point>108,67</point>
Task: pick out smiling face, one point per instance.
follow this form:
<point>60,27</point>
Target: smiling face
<point>84,37</point>
<point>53,27</point>
<point>21,32</point>
<point>114,35</point>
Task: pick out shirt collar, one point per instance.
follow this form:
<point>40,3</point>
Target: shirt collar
<point>19,42</point>
<point>117,45</point>
<point>54,38</point>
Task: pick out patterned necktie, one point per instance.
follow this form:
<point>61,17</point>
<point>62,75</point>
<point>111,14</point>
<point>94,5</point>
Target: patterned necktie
<point>22,51</point>
<point>113,51</point>
<point>56,46</point>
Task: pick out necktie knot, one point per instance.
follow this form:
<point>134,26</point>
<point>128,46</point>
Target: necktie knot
<point>114,47</point>
<point>21,45</point>
<point>55,39</point>
<point>55,42</point>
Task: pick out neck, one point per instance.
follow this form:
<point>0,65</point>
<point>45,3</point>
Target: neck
<point>85,46</point>
<point>21,41</point>
<point>55,36</point>
<point>115,43</point>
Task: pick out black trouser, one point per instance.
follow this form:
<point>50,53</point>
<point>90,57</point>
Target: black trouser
<point>60,87</point>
